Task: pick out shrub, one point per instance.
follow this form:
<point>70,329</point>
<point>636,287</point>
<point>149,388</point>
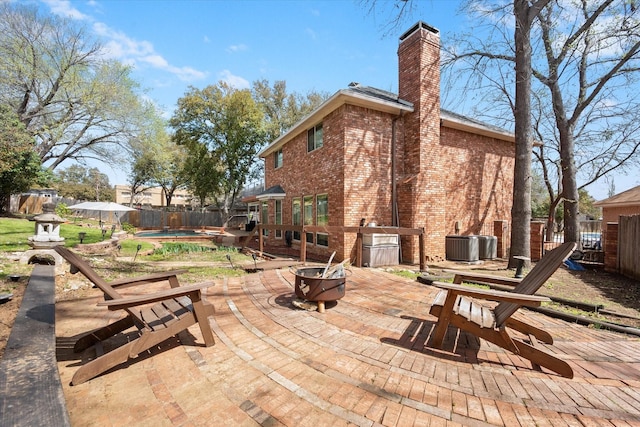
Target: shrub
<point>130,229</point>
<point>63,210</point>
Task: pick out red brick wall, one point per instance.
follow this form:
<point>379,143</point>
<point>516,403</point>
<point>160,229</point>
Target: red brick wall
<point>611,246</point>
<point>536,242</point>
<point>443,175</point>
<point>479,180</point>
<point>612,214</point>
<point>421,195</point>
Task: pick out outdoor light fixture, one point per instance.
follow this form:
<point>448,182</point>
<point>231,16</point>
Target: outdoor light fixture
<point>104,231</point>
<point>81,236</point>
<point>137,250</point>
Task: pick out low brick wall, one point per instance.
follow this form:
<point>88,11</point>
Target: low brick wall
<point>30,389</point>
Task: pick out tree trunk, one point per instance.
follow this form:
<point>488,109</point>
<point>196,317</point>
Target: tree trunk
<point>569,187</point>
<point>551,219</point>
<point>521,209</point>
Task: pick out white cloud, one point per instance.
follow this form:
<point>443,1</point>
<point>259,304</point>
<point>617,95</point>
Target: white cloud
<point>64,8</point>
<point>120,46</point>
<point>156,61</point>
<point>233,81</point>
<point>311,33</point>
<point>237,47</point>
<point>206,39</point>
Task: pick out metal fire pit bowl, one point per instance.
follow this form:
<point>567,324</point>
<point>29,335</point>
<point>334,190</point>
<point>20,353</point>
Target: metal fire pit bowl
<point>311,287</point>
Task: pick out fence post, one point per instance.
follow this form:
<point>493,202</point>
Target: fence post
<point>537,240</point>
<point>500,231</point>
<point>611,247</point>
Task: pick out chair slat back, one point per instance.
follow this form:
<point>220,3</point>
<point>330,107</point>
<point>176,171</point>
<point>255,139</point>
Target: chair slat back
<point>87,271</point>
<point>535,279</point>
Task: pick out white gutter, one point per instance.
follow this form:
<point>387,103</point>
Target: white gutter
<point>477,129</point>
<point>344,96</point>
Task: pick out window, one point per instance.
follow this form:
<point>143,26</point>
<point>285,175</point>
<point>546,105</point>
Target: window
<point>322,218</point>
<point>308,215</point>
<point>322,209</point>
<point>277,159</point>
<point>264,211</point>
<point>278,217</point>
<point>322,239</point>
<point>314,138</point>
<point>296,212</point>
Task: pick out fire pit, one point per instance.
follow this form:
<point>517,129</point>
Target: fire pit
<point>311,287</point>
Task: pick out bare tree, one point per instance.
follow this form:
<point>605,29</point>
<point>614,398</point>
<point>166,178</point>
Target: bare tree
<point>75,104</point>
<point>585,60</point>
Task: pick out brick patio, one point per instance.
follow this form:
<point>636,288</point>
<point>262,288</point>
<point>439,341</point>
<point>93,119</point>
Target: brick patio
<point>363,362</point>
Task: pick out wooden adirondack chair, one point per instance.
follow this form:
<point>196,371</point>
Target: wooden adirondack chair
<point>158,315</point>
<point>454,306</point>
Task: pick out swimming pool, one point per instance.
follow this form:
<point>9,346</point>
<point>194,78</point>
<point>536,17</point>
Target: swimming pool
<point>175,233</point>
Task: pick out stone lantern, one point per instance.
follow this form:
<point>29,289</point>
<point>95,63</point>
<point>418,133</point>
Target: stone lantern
<point>46,238</point>
<point>47,229</point>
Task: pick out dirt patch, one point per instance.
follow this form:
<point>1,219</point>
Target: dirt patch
<point>9,308</point>
<point>614,292</point>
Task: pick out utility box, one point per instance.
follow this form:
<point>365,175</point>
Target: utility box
<point>462,248</point>
<point>488,247</point>
<point>381,255</point>
<point>379,239</point>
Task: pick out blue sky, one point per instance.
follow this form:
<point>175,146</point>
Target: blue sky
<point>321,45</point>
<point>312,45</point>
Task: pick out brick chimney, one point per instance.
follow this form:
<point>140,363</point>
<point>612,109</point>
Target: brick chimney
<point>421,189</point>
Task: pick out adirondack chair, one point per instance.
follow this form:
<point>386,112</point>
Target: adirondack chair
<point>158,315</point>
<point>458,305</point>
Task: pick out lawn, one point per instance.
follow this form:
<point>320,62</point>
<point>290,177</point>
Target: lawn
<point>204,259</point>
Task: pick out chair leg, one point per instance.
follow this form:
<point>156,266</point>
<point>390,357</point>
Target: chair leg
<point>542,358</point>
<point>527,329</point>
<point>444,318</point>
<point>102,334</point>
<point>102,364</point>
<point>128,351</point>
<point>202,312</point>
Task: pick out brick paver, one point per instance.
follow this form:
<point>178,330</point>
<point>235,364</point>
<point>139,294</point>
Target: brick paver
<point>363,362</point>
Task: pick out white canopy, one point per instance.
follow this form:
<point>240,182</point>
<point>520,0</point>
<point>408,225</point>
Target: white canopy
<point>101,206</point>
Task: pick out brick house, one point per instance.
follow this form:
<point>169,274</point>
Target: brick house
<point>393,159</point>
<point>626,203</point>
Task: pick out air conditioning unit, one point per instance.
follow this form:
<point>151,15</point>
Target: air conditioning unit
<point>488,247</point>
<point>462,248</point>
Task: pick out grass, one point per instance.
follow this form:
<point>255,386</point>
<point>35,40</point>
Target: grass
<point>15,232</point>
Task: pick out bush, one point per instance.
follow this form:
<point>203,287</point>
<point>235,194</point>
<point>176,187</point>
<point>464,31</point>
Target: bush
<point>179,248</point>
<point>62,210</point>
<point>130,229</point>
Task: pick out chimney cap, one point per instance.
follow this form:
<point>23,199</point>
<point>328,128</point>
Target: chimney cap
<point>416,27</point>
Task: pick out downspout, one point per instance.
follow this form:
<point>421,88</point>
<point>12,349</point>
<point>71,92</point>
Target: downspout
<point>394,192</point>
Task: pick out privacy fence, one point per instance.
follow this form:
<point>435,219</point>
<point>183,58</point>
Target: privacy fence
<point>629,246</point>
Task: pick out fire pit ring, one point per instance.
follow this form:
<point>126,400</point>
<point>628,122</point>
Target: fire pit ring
<point>311,287</point>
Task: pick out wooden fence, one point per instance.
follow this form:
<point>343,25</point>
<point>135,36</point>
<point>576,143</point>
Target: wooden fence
<point>629,246</point>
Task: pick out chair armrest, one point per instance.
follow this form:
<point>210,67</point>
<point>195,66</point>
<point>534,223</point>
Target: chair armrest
<point>493,295</point>
<point>127,302</point>
<point>148,278</point>
<point>472,276</point>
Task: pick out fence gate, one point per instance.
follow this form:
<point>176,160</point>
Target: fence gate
<point>629,246</point>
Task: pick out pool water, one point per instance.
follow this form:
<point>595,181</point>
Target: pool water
<point>168,233</point>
